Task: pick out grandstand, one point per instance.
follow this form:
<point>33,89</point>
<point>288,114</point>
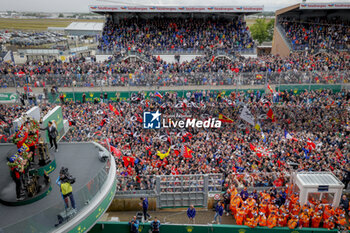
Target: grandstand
<point>312,27</point>
<point>176,30</point>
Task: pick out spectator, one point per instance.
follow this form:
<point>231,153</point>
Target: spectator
<point>155,225</point>
<point>344,201</point>
<point>191,214</point>
<point>134,225</point>
<point>219,210</point>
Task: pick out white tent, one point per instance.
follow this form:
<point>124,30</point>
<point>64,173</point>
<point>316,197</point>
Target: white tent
<point>322,186</point>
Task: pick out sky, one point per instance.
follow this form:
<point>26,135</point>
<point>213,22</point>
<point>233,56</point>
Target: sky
<point>81,5</point>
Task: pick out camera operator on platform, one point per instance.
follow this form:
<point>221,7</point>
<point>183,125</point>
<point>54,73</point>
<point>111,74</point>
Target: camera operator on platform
<point>65,181</point>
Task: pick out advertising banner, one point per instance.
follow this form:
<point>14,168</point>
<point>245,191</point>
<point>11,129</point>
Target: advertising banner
<point>55,115</point>
<point>178,9</point>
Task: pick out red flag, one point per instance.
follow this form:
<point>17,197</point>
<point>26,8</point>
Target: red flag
<point>128,161</point>
<point>187,152</point>
<point>252,147</point>
<point>311,144</point>
<point>269,87</point>
<point>212,59</point>
<point>270,115</point>
<point>113,109</point>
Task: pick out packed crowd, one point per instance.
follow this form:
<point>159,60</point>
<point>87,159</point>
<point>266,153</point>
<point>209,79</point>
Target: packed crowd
<point>175,33</point>
<point>281,208</point>
<point>247,155</point>
<point>317,33</point>
<point>207,70</point>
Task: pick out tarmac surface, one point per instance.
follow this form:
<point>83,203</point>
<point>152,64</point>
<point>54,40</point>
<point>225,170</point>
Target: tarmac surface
<point>174,216</point>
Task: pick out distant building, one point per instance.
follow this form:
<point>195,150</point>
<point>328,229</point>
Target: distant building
<point>84,29</point>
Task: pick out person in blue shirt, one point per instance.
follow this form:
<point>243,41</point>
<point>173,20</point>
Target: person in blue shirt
<point>219,210</point>
<point>155,225</point>
<point>191,214</point>
<point>145,208</point>
<point>134,225</point>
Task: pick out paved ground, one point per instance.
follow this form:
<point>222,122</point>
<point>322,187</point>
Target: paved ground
<point>176,216</point>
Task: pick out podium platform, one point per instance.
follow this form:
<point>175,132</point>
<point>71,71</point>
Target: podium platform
<point>93,191</point>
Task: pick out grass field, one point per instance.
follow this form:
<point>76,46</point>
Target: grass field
<point>250,22</point>
<point>38,24</point>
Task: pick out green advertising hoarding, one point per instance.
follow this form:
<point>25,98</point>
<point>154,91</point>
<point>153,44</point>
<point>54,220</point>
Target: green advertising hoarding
<point>8,97</point>
<point>124,227</point>
<point>125,95</point>
<point>55,115</point>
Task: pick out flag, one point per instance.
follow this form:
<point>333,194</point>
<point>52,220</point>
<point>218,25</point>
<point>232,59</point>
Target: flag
<point>270,115</point>
<point>258,127</point>
<point>258,76</point>
<point>157,94</point>
<point>223,118</point>
<point>187,152</point>
<point>27,89</point>
<point>252,147</point>
<point>128,161</point>
<point>287,135</point>
<point>163,155</point>
<point>269,87</point>
<point>113,109</point>
<point>263,137</point>
<point>247,115</point>
<point>311,144</point>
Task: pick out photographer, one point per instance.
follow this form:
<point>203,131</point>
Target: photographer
<point>134,225</point>
<point>155,225</point>
<point>65,181</point>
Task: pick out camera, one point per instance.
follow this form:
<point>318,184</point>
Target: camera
<point>65,177</point>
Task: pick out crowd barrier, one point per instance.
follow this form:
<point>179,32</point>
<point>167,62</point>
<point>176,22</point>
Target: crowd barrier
<point>162,79</point>
<point>125,95</point>
<point>123,227</point>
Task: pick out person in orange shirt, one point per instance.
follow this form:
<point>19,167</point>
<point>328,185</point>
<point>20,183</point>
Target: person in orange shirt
<point>293,222</point>
<point>272,220</point>
<point>328,212</point>
<point>341,221</point>
<point>252,222</point>
<point>318,206</point>
<point>339,210</point>
<point>316,219</point>
<point>263,207</point>
<point>304,219</point>
<point>328,223</point>
<point>262,220</point>
<point>282,220</point>
<point>296,209</point>
<point>235,204</point>
<point>240,216</point>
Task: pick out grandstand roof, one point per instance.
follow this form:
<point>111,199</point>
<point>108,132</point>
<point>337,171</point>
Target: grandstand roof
<point>176,9</point>
<point>315,6</point>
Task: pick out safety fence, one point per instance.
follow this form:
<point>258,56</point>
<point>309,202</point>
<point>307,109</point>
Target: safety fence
<point>162,79</point>
<point>123,227</point>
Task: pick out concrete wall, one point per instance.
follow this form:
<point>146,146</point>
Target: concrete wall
<point>279,46</point>
<point>132,203</point>
<point>127,204</point>
<point>183,58</point>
